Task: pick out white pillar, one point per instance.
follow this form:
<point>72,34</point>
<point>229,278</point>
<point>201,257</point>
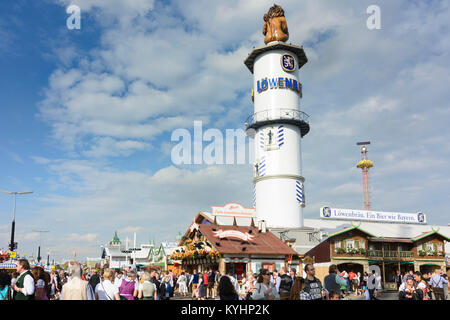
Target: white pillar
<point>278,126</point>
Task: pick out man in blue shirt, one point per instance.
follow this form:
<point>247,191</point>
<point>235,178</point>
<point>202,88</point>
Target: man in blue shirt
<point>438,282</point>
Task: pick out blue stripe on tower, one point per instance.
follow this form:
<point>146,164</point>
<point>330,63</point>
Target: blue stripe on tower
<point>299,191</point>
<point>261,140</point>
<point>280,136</point>
<point>262,167</point>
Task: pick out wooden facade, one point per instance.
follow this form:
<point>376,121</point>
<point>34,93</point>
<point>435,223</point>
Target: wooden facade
<point>356,249</point>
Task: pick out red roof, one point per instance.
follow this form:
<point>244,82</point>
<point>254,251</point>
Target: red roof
<point>262,243</point>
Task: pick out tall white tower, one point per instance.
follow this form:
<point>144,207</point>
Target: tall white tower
<point>277,127</point>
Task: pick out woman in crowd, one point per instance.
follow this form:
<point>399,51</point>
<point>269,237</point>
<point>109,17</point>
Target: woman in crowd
<point>297,290</point>
<point>53,285</point>
<point>128,288</point>
<point>264,289</point>
<point>201,287</point>
<point>421,284</point>
<point>147,289</point>
<point>249,286</point>
<point>5,289</point>
<point>182,287</point>
<point>41,284</point>
<point>106,290</point>
<point>166,290</point>
<point>410,291</point>
<point>226,290</point>
<point>360,284</point>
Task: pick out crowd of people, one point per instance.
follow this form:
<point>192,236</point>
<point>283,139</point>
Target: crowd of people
<point>127,284</point>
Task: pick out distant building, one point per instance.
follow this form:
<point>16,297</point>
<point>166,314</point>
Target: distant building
<point>119,256</point>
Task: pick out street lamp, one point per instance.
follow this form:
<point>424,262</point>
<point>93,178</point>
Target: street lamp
<point>39,248</point>
<point>13,245</point>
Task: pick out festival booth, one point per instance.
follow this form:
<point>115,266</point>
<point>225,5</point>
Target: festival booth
<point>363,246</point>
<point>231,248</point>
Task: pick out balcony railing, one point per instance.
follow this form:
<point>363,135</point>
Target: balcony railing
<point>277,114</point>
<point>390,254</point>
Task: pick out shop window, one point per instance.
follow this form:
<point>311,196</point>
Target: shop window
<point>337,244</point>
<point>429,247</point>
<point>439,248</point>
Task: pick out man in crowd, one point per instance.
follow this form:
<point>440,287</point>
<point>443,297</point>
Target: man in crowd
<point>333,281</point>
<point>351,276</point>
<point>194,280</point>
<point>94,280</point>
<point>285,284</point>
<point>75,288</point>
<point>210,292</point>
<point>398,279</point>
<point>437,282</point>
<point>371,285</point>
<point>313,286</point>
<point>409,275</point>
<point>344,274</point>
<point>24,286</point>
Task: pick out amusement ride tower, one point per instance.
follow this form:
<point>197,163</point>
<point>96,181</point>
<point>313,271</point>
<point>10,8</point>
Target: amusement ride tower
<point>365,164</point>
<point>277,125</point>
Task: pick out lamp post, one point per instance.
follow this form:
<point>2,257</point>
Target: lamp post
<point>13,245</point>
<point>39,248</point>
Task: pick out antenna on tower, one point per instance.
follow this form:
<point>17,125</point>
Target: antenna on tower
<point>365,164</point>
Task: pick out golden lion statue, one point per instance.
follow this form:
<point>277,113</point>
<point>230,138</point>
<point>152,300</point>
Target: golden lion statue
<point>275,25</point>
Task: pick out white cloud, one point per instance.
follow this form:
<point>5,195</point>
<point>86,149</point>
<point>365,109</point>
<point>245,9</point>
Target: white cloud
<point>109,147</point>
<point>89,237</point>
<point>129,229</point>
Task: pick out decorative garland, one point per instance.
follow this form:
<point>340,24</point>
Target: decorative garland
<point>191,252</point>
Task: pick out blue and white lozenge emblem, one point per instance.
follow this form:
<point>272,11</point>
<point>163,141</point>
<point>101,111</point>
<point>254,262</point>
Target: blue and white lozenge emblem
<point>288,62</point>
<point>326,212</point>
<point>420,217</point>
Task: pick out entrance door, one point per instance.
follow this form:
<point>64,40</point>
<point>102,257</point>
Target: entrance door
<point>236,269</point>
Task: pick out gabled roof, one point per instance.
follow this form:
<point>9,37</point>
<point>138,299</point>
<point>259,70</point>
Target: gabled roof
<point>353,227</point>
<point>261,243</point>
<point>427,234</point>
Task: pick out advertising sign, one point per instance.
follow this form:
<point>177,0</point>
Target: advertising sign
<point>376,216</point>
<point>234,210</point>
<point>233,234</point>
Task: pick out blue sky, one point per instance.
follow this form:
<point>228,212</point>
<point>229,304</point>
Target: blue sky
<point>87,115</point>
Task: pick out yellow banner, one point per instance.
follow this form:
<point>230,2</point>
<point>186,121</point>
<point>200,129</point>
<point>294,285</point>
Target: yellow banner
<point>12,254</point>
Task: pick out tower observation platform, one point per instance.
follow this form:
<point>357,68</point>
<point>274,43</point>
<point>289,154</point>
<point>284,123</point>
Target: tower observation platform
<point>278,114</point>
